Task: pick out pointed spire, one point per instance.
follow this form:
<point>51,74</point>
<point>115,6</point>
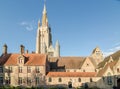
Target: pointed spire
<point>39,23</point>
<point>44,9</point>
<point>44,17</point>
<point>57,43</point>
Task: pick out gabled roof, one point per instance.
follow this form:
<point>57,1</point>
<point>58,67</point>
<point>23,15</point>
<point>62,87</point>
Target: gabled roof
<point>106,66</point>
<point>92,61</point>
<point>115,57</point>
<point>71,74</point>
<point>31,59</point>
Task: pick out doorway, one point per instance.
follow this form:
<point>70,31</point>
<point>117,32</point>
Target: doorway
<point>118,83</point>
<point>70,84</point>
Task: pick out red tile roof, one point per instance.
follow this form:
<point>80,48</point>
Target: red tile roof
<point>71,74</point>
<point>31,59</point>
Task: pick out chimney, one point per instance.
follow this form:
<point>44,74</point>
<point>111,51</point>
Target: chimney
<point>22,49</point>
<point>4,49</point>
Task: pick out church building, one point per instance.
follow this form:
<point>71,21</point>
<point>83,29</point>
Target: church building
<point>46,68</point>
<point>44,38</point>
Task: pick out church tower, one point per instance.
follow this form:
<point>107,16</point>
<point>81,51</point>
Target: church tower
<point>44,37</point>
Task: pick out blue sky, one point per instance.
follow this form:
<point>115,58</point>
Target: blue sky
<point>79,25</point>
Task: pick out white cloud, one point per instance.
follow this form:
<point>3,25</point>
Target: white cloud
<point>107,53</point>
<point>29,26</point>
<point>112,50</point>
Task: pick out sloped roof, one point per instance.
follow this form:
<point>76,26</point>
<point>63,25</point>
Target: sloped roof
<point>103,70</point>
<point>31,59</point>
<point>115,57</point>
<point>71,74</point>
<point>92,60</point>
<point>68,62</point>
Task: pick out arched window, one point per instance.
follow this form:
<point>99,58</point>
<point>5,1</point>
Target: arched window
<point>91,80</point>
<point>79,79</point>
<point>60,80</point>
<point>109,78</point>
<point>50,79</point>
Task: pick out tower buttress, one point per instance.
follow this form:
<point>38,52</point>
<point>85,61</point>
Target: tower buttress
<point>57,49</point>
<point>38,43</point>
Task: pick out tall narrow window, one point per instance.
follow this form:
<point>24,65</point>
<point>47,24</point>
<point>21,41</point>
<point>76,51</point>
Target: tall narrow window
<point>7,81</point>
<point>20,69</point>
<point>10,69</point>
<point>118,70</point>
<point>109,78</point>
<point>1,80</point>
<point>79,79</point>
<point>37,69</point>
<point>91,80</point>
<point>19,80</point>
<point>29,69</point>
<point>1,69</point>
<point>37,80</point>
<point>28,81</point>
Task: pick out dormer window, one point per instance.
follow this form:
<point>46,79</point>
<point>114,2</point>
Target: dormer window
<point>21,59</point>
